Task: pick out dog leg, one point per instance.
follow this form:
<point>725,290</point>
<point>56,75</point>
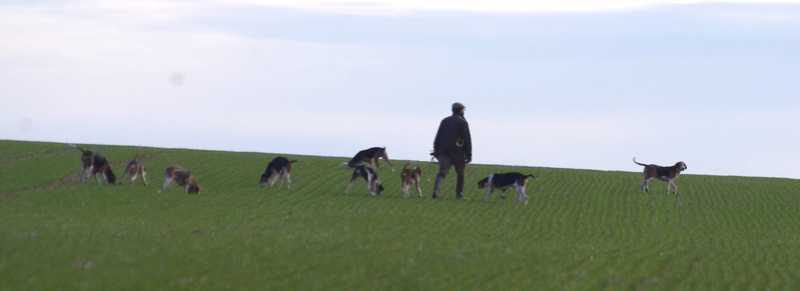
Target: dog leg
<point>521,193</point>
<point>371,187</point>
<point>352,180</point>
<point>386,158</point>
<point>406,185</point>
<point>288,180</point>
<point>488,194</point>
<point>97,179</point>
<point>133,178</point>
<point>671,183</point>
<point>280,178</point>
<point>144,176</point>
<point>645,187</point>
<point>419,191</point>
<point>167,183</point>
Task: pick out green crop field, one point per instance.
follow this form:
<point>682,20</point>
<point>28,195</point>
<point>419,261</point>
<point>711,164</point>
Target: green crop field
<point>582,229</point>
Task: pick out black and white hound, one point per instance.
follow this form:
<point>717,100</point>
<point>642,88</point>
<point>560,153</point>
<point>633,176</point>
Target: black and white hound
<point>279,168</point>
<point>370,175</point>
<point>503,181</point>
<point>666,174</point>
<point>92,164</point>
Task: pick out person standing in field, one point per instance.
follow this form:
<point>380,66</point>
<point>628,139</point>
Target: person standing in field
<point>452,147</point>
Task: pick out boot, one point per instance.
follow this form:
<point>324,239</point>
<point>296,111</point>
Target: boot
<point>459,186</point>
<point>436,185</point>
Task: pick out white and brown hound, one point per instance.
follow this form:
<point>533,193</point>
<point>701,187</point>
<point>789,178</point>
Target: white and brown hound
<point>134,169</point>
<point>411,177</point>
<point>369,155</point>
<point>503,181</point>
<point>92,164</point>
<point>279,168</point>
<point>370,175</point>
<point>181,177</point>
<point>666,174</point>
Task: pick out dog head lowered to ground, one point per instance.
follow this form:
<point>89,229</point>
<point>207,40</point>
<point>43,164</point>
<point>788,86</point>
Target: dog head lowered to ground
<point>370,175</point>
<point>279,168</point>
<point>92,164</point>
<point>182,177</point>
<point>503,181</point>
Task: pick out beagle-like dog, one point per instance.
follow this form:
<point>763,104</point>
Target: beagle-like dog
<point>279,168</point>
<point>181,177</point>
<point>411,177</point>
<point>369,155</point>
<point>503,181</point>
<point>370,175</point>
<point>666,174</point>
<point>134,169</point>
<point>92,164</point>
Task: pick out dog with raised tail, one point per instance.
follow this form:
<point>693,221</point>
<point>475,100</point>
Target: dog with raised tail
<point>92,164</point>
<point>134,169</point>
<point>503,181</point>
<point>370,175</point>
<point>182,177</point>
<point>666,174</point>
<point>368,156</point>
<point>279,168</point>
<point>411,177</point>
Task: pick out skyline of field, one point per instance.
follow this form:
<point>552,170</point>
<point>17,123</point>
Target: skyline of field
<point>566,84</point>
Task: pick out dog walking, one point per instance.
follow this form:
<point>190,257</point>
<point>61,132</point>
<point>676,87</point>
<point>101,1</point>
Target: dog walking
<point>452,147</point>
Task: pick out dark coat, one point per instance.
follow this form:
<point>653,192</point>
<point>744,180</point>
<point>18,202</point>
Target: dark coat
<point>451,129</point>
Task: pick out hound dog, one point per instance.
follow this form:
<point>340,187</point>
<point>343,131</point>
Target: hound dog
<point>92,164</point>
<point>411,177</point>
<point>279,168</point>
<point>369,155</point>
<point>666,174</point>
<point>503,181</point>
<point>134,169</point>
<point>370,175</point>
<point>181,177</point>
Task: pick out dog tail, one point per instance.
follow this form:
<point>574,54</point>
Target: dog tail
<point>405,166</point>
<point>531,175</point>
<point>136,157</point>
<point>78,148</point>
<point>295,161</point>
<point>638,163</point>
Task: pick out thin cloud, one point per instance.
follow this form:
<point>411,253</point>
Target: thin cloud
<point>393,7</point>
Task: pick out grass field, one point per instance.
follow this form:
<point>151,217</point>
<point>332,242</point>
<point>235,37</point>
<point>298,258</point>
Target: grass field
<point>581,230</point>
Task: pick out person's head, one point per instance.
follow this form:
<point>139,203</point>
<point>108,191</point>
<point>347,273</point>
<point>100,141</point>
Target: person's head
<point>458,108</point>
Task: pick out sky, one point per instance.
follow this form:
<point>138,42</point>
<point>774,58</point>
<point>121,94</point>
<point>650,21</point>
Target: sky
<point>574,84</point>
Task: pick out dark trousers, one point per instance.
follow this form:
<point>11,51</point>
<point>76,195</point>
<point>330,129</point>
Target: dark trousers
<point>445,163</point>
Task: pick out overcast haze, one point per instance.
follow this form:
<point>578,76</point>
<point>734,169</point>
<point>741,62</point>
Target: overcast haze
<point>578,84</point>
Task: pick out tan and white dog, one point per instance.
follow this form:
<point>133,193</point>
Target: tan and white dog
<point>181,177</point>
<point>666,174</point>
<point>368,156</point>
<point>134,169</point>
<point>411,177</point>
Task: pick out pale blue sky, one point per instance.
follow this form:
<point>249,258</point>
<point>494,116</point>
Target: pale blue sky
<point>712,83</point>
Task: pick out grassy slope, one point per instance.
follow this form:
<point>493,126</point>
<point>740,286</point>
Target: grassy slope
<point>581,230</point>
